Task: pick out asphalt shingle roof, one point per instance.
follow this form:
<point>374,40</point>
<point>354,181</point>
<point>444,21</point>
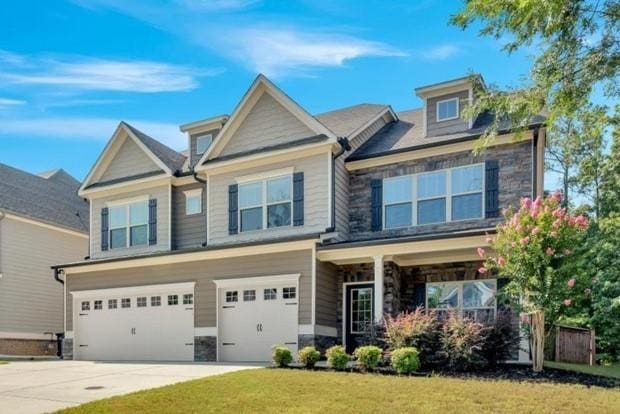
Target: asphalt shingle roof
<point>53,200</point>
<point>344,121</point>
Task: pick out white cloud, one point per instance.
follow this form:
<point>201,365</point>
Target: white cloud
<point>104,75</point>
<point>442,52</point>
<point>10,102</point>
<point>288,51</point>
<point>96,129</point>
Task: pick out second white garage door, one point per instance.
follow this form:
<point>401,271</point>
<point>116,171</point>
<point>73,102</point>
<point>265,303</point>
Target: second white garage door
<point>154,322</point>
<point>254,314</point>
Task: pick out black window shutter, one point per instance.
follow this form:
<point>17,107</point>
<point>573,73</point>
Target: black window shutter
<point>104,229</point>
<point>419,295</point>
<point>492,188</point>
<point>376,204</point>
<point>233,226</point>
<point>298,199</point>
<point>152,221</point>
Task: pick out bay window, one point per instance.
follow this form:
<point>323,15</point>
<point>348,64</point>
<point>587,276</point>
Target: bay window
<point>434,197</point>
<point>129,224</point>
<point>476,299</point>
<point>266,203</point>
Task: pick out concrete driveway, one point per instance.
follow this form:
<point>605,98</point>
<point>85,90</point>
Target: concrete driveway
<point>45,386</point>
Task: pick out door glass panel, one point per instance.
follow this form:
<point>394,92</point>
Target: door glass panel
<point>361,309</point>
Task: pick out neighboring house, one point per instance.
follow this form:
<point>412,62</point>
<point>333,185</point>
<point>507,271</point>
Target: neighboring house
<point>42,221</point>
<point>282,227</point>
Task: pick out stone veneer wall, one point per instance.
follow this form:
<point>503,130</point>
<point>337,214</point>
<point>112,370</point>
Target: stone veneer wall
<point>515,181</point>
<point>67,348</point>
<point>29,347</point>
<point>320,342</point>
<point>205,348</point>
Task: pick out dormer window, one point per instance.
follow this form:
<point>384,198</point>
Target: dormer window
<point>447,109</point>
<point>203,142</point>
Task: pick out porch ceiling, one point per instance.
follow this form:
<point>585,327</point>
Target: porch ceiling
<point>409,253</point>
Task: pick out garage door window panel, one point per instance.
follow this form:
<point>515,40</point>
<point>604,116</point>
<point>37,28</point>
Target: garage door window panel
<point>98,305</point>
<point>289,293</point>
<point>85,306</point>
<point>112,303</point>
<point>141,302</point>
<point>249,295</point>
<point>155,300</point>
<point>173,300</point>
<point>232,296</point>
<point>270,294</point>
<point>188,299</point>
<point>126,303</point>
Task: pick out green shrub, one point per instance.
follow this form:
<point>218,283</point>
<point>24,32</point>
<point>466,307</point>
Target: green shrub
<point>309,356</point>
<point>337,357</point>
<point>461,343</point>
<point>405,360</point>
<point>368,357</point>
<point>281,356</point>
<point>500,339</point>
<point>419,329</point>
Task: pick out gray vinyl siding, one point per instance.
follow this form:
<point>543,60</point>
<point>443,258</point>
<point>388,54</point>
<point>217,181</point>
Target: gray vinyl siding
<point>267,124</point>
<point>30,298</point>
<point>326,294</point>
<point>193,157</point>
<point>316,193</point>
<point>434,128</point>
<point>162,194</point>
<point>130,160</point>
<point>203,273</point>
<point>342,179</point>
<point>188,231</point>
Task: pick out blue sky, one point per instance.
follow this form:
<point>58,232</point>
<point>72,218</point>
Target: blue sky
<point>71,70</point>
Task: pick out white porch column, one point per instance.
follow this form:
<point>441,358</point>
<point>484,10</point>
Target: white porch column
<point>378,288</point>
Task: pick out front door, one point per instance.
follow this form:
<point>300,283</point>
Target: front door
<point>359,313</point>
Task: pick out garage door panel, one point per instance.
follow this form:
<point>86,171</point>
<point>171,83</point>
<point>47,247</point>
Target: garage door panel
<point>134,326</point>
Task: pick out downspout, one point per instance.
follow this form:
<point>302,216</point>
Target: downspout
<point>200,180</point>
<point>535,164</point>
<point>344,146</point>
<point>2,216</point>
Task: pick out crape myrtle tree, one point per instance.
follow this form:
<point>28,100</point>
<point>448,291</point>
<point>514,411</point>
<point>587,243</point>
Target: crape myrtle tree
<point>533,248</point>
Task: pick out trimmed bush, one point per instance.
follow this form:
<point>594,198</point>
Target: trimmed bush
<point>368,357</point>
<point>419,329</point>
<point>281,356</point>
<point>461,343</point>
<point>405,360</point>
<point>309,356</point>
<point>337,357</point>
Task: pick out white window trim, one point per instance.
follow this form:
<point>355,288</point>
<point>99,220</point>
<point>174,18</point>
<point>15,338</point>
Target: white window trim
<point>460,284</point>
<point>264,203</point>
<point>128,225</point>
<point>203,136</point>
<point>448,196</point>
<point>193,193</point>
<point>437,119</point>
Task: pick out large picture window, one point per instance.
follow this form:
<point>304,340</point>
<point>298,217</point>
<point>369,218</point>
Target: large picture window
<point>129,224</point>
<point>266,203</point>
<point>434,197</point>
<point>474,299</point>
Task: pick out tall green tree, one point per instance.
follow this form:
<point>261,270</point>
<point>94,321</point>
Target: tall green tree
<point>578,45</point>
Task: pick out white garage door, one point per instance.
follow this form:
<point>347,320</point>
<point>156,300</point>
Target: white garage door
<point>255,314</point>
<point>141,323</point>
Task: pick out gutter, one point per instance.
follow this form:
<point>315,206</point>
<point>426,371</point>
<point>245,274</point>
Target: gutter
<point>57,272</point>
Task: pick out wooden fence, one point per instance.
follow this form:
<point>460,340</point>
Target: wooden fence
<point>574,345</point>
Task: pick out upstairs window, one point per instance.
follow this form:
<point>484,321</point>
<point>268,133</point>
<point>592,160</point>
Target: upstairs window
<point>434,197</point>
<point>129,224</point>
<point>193,202</point>
<point>203,142</point>
<point>447,109</point>
<point>266,204</point>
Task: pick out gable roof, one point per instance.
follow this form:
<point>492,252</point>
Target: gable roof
<point>49,198</point>
<point>171,158</point>
<point>407,133</point>
<point>260,86</point>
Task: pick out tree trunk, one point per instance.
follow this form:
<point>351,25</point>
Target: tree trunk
<point>538,340</point>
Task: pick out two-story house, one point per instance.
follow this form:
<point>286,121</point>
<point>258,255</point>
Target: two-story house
<point>42,221</point>
<point>282,227</point>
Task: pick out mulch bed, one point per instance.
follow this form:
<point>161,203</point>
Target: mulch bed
<point>507,372</point>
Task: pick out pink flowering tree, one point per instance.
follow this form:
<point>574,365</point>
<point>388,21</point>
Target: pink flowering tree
<point>533,248</point>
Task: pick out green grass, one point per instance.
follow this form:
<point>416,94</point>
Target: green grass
<point>3,362</point>
<point>612,371</point>
<point>295,391</point>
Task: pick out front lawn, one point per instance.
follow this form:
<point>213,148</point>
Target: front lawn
<point>3,362</point>
<point>282,390</point>
<point>612,371</point>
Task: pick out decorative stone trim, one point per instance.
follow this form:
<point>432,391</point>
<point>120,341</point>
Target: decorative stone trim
<point>205,348</point>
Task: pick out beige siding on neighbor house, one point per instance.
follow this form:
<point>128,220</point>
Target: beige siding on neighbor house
<point>268,123</point>
<point>434,128</point>
<point>130,160</point>
<point>316,191</point>
<point>342,179</point>
<point>161,193</point>
<point>326,294</point>
<point>204,273</point>
<point>30,298</point>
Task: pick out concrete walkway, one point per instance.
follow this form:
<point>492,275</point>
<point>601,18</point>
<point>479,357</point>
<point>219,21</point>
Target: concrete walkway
<point>45,386</point>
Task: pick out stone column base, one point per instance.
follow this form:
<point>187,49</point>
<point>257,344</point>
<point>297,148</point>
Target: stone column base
<point>67,348</point>
<point>205,348</point>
